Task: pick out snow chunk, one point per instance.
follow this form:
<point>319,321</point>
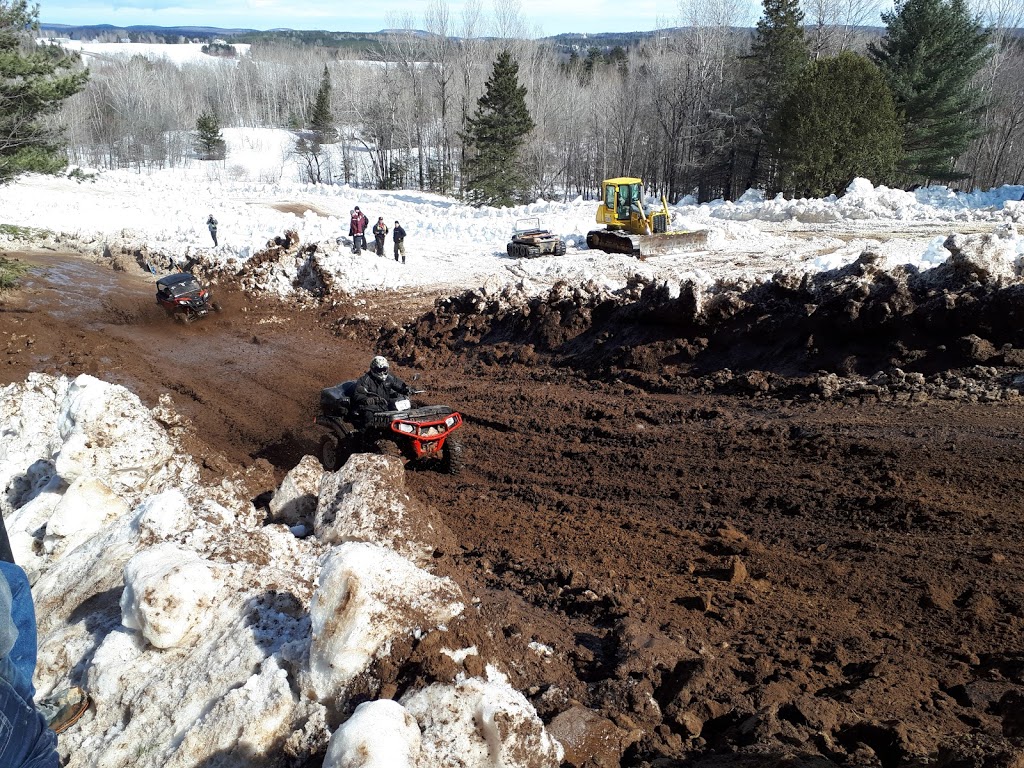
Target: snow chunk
<point>168,591</point>
<point>380,734</point>
<point>481,723</point>
<point>109,433</point>
<point>366,501</point>
<point>368,596</point>
<point>83,510</point>
<point>294,503</point>
<point>164,515</point>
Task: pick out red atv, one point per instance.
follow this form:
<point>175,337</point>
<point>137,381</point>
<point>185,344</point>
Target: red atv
<point>421,435</point>
<point>184,298</point>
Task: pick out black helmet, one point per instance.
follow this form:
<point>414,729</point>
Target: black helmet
<point>379,367</point>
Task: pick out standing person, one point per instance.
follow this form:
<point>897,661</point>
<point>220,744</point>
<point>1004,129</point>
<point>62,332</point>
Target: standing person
<point>399,234</point>
<point>211,224</point>
<point>357,230</point>
<point>380,232</point>
<point>26,741</point>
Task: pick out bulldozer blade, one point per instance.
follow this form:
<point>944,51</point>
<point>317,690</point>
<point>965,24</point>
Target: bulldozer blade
<point>672,242</point>
<point>643,246</point>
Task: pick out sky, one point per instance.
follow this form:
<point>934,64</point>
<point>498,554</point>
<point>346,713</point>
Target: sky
<point>540,17</point>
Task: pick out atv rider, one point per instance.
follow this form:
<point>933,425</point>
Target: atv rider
<point>376,389</point>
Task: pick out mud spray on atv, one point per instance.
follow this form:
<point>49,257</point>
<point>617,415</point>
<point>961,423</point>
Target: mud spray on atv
<point>421,435</point>
<point>183,298</point>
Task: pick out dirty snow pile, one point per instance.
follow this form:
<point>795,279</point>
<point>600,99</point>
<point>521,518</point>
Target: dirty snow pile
<point>206,636</point>
<point>257,194</point>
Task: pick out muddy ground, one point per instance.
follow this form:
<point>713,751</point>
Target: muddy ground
<point>736,532</point>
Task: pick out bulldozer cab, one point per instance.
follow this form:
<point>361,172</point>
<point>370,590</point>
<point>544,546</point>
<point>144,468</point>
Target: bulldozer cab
<point>622,204</point>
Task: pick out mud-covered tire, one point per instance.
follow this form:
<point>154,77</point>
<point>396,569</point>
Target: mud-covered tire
<point>452,457</point>
<point>511,250</point>
<point>181,318</point>
<point>330,452</point>
<point>216,307</point>
<point>560,248</point>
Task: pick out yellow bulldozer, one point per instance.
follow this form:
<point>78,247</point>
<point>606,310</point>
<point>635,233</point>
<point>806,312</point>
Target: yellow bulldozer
<point>630,228</point>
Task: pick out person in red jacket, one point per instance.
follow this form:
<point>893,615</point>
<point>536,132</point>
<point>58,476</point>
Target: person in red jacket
<point>357,230</point>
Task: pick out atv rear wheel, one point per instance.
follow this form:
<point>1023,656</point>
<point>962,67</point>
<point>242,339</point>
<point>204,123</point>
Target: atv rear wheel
<point>451,457</point>
<point>330,453</point>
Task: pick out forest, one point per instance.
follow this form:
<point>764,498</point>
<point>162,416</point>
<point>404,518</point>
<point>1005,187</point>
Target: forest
<point>800,102</point>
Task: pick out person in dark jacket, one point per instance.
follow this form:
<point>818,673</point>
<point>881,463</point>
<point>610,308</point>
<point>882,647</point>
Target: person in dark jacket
<point>399,234</point>
<point>357,230</point>
<point>211,224</point>
<point>376,388</point>
<point>380,232</point>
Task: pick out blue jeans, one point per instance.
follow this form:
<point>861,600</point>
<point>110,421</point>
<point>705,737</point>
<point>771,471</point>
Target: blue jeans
<point>25,739</point>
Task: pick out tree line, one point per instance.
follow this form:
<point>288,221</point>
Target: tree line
<point>803,104</point>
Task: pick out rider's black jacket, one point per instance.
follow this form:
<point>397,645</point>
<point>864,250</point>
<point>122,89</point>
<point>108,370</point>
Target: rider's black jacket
<point>372,394</point>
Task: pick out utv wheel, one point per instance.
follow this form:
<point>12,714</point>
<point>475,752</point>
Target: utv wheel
<point>330,453</point>
<point>181,319</point>
<point>511,250</point>
<point>451,457</point>
<point>215,307</point>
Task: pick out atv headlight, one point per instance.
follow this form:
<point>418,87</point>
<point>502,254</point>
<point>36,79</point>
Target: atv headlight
<point>449,422</point>
<point>407,428</point>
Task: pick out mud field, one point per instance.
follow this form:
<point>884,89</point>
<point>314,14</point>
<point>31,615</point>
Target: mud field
<point>779,525</point>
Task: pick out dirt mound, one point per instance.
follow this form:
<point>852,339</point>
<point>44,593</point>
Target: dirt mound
<point>780,335</point>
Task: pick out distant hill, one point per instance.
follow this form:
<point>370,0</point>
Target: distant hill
<point>77,32</point>
<point>151,33</point>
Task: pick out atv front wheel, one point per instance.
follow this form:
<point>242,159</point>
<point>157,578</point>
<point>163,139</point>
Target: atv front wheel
<point>330,453</point>
<point>215,307</point>
<point>451,457</point>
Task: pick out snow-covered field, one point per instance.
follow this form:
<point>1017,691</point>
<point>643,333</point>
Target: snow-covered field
<point>207,638</point>
<point>452,246</point>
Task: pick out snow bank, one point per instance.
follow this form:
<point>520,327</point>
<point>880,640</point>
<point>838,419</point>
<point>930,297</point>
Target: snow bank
<point>257,194</point>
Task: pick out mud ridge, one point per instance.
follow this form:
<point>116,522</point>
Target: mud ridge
<point>952,332</point>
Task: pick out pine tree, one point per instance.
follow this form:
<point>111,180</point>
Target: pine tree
<point>839,122</point>
<point>34,81</point>
<point>931,51</point>
<point>778,54</point>
<point>210,144</point>
<point>494,135</point>
<point>322,121</point>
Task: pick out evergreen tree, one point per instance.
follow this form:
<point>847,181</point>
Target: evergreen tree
<point>34,81</point>
<point>931,51</point>
<point>322,120</point>
<point>494,135</point>
<point>839,122</point>
<point>778,54</point>
<point>210,144</point>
